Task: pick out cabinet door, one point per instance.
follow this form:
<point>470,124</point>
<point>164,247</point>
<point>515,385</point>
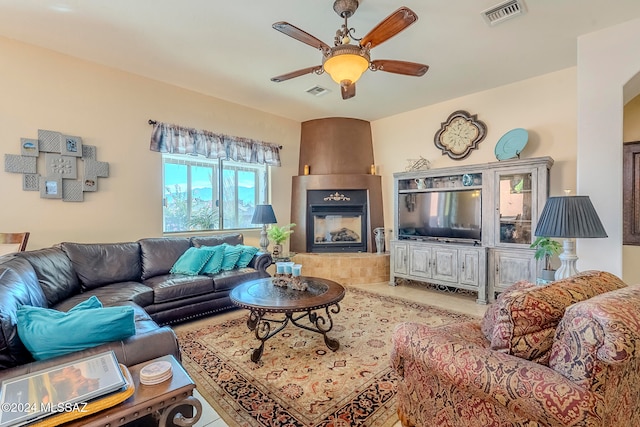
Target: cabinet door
<point>445,265</point>
<point>399,258</point>
<point>420,261</point>
<point>511,267</point>
<point>515,206</point>
<point>469,267</point>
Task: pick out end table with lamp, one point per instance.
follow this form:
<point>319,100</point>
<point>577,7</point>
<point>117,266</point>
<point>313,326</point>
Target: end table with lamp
<point>264,215</point>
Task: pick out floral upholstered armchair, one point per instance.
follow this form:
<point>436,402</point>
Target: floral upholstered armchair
<point>563,354</point>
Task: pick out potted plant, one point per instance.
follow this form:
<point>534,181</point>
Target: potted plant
<point>278,235</point>
<point>546,248</point>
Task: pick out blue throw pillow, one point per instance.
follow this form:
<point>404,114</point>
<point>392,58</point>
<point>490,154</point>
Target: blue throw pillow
<point>48,333</point>
<point>92,302</point>
<point>191,262</point>
<point>231,256</point>
<point>214,264</point>
<point>246,256</point>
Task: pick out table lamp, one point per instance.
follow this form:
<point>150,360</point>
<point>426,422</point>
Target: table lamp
<point>569,217</point>
<point>264,215</point>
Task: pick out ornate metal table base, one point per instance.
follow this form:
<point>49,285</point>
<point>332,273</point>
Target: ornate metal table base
<point>262,326</point>
<point>172,415</point>
<point>303,308</point>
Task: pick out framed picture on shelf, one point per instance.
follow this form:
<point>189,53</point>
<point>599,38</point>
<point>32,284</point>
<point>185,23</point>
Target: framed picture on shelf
<point>59,388</point>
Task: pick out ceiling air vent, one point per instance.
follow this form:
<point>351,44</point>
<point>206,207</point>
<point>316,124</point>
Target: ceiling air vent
<point>318,90</point>
<point>503,11</point>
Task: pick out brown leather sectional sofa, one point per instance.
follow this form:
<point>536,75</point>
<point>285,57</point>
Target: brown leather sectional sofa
<point>131,273</point>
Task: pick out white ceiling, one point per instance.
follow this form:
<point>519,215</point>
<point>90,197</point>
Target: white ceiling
<point>227,49</point>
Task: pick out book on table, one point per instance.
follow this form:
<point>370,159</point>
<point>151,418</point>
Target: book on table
<point>63,388</point>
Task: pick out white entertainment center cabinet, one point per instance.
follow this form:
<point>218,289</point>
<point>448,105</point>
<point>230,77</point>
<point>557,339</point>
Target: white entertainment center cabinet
<point>512,195</point>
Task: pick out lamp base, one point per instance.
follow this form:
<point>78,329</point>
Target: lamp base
<point>568,260</point>
<point>264,240</point>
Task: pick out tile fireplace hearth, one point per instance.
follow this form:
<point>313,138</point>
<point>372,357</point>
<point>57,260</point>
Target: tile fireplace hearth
<point>346,268</point>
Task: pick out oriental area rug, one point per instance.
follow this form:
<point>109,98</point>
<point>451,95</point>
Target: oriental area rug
<point>299,381</point>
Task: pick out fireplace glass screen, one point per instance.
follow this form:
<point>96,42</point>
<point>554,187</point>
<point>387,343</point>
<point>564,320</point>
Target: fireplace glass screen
<point>337,221</point>
<point>337,229</point>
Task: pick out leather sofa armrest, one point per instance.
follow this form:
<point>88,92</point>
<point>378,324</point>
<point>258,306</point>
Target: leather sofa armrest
<point>440,362</point>
<point>261,261</point>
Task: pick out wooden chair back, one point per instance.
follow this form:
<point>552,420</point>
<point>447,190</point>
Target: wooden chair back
<point>18,239</point>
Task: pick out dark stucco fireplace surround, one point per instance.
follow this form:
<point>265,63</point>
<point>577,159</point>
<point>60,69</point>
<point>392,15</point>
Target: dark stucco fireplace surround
<point>338,203</point>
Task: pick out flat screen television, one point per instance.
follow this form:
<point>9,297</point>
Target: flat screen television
<point>440,215</point>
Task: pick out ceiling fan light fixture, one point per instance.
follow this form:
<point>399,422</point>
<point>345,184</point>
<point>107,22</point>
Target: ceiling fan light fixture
<point>346,63</point>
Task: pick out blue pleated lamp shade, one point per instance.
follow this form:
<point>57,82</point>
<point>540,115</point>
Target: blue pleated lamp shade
<point>569,217</point>
<point>264,215</point>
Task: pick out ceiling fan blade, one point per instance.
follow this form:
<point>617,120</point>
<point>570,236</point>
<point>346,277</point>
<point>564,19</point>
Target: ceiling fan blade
<point>303,36</point>
<point>389,27</point>
<point>315,69</point>
<point>399,67</point>
<point>348,91</point>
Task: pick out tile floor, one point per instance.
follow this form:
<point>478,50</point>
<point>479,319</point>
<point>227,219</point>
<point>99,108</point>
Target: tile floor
<point>455,302</point>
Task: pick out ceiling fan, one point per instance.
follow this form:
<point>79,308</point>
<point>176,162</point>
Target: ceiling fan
<point>345,62</point>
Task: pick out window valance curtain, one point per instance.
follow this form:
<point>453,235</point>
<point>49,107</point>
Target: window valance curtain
<point>168,138</point>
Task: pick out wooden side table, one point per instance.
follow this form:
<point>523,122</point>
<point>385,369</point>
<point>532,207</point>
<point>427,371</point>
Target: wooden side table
<point>166,402</point>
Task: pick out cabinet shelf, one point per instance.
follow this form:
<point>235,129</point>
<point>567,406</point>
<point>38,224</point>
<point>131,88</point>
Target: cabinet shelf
<point>431,190</point>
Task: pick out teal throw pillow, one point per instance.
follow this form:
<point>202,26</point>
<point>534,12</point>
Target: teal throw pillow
<point>246,256</point>
<point>231,256</point>
<point>48,333</point>
<point>214,264</point>
<point>92,302</point>
<point>191,262</point>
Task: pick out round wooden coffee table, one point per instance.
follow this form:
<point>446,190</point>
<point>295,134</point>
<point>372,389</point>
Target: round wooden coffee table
<point>262,297</point>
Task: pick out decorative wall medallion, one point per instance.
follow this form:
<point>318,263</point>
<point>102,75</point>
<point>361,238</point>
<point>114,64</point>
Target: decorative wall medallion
<point>461,133</point>
<point>62,153</point>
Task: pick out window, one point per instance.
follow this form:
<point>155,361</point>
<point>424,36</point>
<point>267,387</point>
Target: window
<point>204,194</point>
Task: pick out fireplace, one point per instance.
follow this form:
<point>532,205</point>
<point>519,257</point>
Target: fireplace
<point>337,221</point>
<point>336,162</point>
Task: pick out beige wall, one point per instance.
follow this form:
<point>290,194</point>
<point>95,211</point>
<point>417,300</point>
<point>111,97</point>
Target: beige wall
<point>605,70</point>
<point>109,109</point>
<point>544,105</point>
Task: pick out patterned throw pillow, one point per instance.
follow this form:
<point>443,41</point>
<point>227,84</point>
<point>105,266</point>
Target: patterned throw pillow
<point>489,319</point>
<point>247,255</point>
<point>527,319</point>
<point>191,262</point>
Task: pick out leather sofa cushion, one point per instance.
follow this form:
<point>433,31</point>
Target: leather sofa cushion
<point>55,272</point>
<point>218,239</point>
<point>159,254</point>
<point>114,294</point>
<point>170,287</point>
<point>18,286</point>
<point>227,280</point>
<point>527,319</point>
<point>99,264</point>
